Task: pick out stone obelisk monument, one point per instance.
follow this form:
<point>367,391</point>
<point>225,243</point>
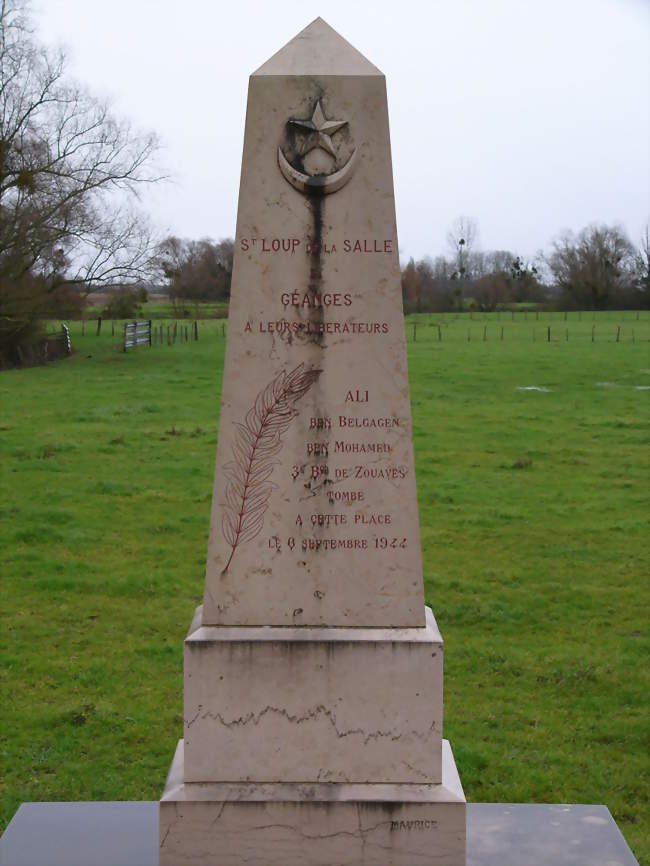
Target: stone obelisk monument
<point>313,670</point>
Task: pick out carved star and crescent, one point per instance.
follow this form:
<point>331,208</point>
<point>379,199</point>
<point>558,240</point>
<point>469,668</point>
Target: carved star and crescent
<point>320,131</point>
<point>316,132</point>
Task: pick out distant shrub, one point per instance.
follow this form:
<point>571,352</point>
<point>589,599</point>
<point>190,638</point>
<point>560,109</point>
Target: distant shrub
<point>25,307</point>
<point>125,303</point>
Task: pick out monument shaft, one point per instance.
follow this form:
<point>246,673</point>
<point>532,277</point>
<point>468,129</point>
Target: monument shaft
<point>330,491</point>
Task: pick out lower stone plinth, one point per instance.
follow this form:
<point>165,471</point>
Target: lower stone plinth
<point>309,705</point>
<point>286,824</point>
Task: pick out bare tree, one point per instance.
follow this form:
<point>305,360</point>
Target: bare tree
<point>69,174</point>
<point>411,286</point>
<point>595,269</point>
<point>643,266</point>
<point>499,261</point>
<point>462,239</point>
<point>196,270</point>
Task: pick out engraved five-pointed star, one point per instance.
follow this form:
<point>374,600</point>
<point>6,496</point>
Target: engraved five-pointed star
<point>321,131</point>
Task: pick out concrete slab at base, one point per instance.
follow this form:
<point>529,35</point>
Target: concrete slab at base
<point>313,704</point>
<point>218,824</point>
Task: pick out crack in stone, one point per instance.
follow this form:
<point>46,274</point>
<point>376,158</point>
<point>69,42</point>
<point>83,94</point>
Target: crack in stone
<point>169,828</point>
<point>361,832</point>
<point>309,716</point>
<point>419,773</point>
<point>164,838</point>
<point>215,820</point>
<point>194,718</point>
<point>354,834</point>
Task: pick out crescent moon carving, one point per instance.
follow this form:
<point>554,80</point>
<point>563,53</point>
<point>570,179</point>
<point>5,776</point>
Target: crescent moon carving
<point>320,184</point>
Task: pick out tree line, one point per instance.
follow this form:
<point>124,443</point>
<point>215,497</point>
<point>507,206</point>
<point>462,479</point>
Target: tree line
<point>71,223</point>
<point>598,268</point>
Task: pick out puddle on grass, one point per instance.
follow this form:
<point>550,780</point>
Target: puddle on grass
<point>616,385</point>
<point>540,388</point>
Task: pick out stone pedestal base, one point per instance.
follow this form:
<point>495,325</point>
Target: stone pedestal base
<point>289,824</point>
<point>309,705</point>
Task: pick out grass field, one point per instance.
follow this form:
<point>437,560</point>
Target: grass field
<point>534,514</point>
<point>161,308</point>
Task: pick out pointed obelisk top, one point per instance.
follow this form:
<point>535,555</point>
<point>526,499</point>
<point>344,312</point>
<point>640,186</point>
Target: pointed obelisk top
<point>318,50</point>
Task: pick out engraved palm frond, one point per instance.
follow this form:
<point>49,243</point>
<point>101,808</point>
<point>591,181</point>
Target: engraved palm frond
<point>256,443</point>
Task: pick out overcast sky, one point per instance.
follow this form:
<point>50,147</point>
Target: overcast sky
<point>531,117</point>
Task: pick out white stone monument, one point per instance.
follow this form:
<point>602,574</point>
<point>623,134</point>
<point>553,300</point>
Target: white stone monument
<point>313,670</point>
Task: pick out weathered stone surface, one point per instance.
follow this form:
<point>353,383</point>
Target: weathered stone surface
<point>313,704</point>
<point>318,50</point>
<point>314,515</point>
<point>313,673</point>
<point>312,825</point>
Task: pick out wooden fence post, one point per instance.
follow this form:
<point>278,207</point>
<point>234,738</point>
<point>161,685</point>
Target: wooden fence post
<point>618,333</point>
<point>99,325</point>
<point>439,334</point>
<point>485,333</point>
<point>169,335</point>
<point>196,331</point>
<point>501,333</point>
<point>548,340</point>
<point>415,336</point>
<point>593,333</point>
<point>186,337</point>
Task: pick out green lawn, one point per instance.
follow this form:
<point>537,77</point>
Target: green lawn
<point>534,511</point>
